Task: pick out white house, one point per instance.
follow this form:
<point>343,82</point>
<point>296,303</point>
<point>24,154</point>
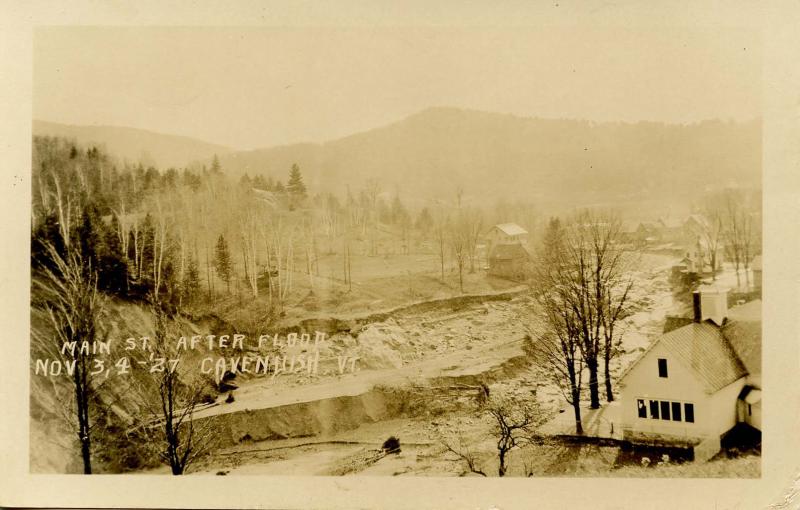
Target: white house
<point>503,234</point>
<point>694,383</point>
<point>507,233</point>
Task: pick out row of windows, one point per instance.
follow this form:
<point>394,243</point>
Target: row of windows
<point>665,410</point>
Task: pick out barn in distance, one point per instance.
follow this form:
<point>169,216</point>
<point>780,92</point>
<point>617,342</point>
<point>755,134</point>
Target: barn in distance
<point>508,257</point>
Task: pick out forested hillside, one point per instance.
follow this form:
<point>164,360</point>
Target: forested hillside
<point>493,156</point>
<point>134,145</point>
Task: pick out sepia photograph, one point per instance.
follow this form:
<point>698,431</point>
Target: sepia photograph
<point>364,254</point>
<point>337,254</point>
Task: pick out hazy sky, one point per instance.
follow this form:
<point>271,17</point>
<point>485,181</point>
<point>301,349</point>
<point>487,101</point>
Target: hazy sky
<point>258,87</point>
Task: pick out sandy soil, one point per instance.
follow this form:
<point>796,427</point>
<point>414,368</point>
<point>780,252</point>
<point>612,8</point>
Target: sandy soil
<point>435,344</point>
<point>415,348</point>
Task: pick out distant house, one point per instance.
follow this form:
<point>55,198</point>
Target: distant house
<point>692,241</point>
<point>648,233</point>
<point>509,261</point>
<point>671,230</point>
<point>697,381</point>
<point>627,231</point>
<point>507,233</point>
<point>503,234</point>
<point>695,224</point>
<point>695,257</point>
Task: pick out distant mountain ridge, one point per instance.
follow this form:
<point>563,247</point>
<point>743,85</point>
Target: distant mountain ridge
<point>135,145</point>
<point>426,156</point>
<point>491,155</point>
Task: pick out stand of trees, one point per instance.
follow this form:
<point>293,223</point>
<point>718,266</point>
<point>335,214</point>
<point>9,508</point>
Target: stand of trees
<point>171,399</point>
<point>730,225</point>
<point>186,238</point>
<point>582,291</point>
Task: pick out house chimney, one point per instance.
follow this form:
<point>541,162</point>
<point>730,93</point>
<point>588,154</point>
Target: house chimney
<point>696,306</point>
<point>710,302</point>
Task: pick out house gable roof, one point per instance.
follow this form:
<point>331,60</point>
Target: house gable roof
<point>716,355</point>
<point>698,219</point>
<point>702,349</point>
<point>743,332</point>
<point>511,229</point>
<point>671,222</point>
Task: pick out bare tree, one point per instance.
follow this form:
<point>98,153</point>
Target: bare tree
<point>737,229</point>
<point>459,246</point>
<point>748,242</point>
<point>370,192</point>
<point>73,306</point>
<point>249,236</point>
<point>161,243</point>
<point>171,400</point>
<point>458,446</point>
<point>612,286</point>
<point>474,227</point>
<point>557,348</point>
<point>583,270</point>
<point>515,421</point>
<point>711,237</point>
<point>440,229</point>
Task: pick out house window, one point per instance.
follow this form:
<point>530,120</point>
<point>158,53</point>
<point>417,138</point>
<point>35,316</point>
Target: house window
<point>664,410</point>
<point>642,408</point>
<point>662,367</point>
<point>688,411</point>
<point>654,409</point>
<point>676,411</point>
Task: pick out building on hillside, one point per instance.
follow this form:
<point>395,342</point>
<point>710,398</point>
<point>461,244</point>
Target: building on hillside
<point>507,233</point>
<point>671,229</point>
<point>695,225</point>
<point>509,261</point>
<point>503,234</point>
<point>648,233</point>
<point>627,231</point>
<point>697,381</point>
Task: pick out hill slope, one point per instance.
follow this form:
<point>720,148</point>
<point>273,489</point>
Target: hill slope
<point>135,145</point>
<point>495,155</point>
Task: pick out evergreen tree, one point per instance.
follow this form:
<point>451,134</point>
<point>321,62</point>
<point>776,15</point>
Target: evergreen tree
<point>295,187</point>
<point>190,286</point>
<point>258,182</point>
<point>246,182</point>
<point>113,267</point>
<point>216,168</point>
<point>222,262</point>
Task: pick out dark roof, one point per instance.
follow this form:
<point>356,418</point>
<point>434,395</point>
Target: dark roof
<point>717,356</point>
<point>672,323</point>
<point>509,252</point>
<point>743,331</point>
<point>702,348</point>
